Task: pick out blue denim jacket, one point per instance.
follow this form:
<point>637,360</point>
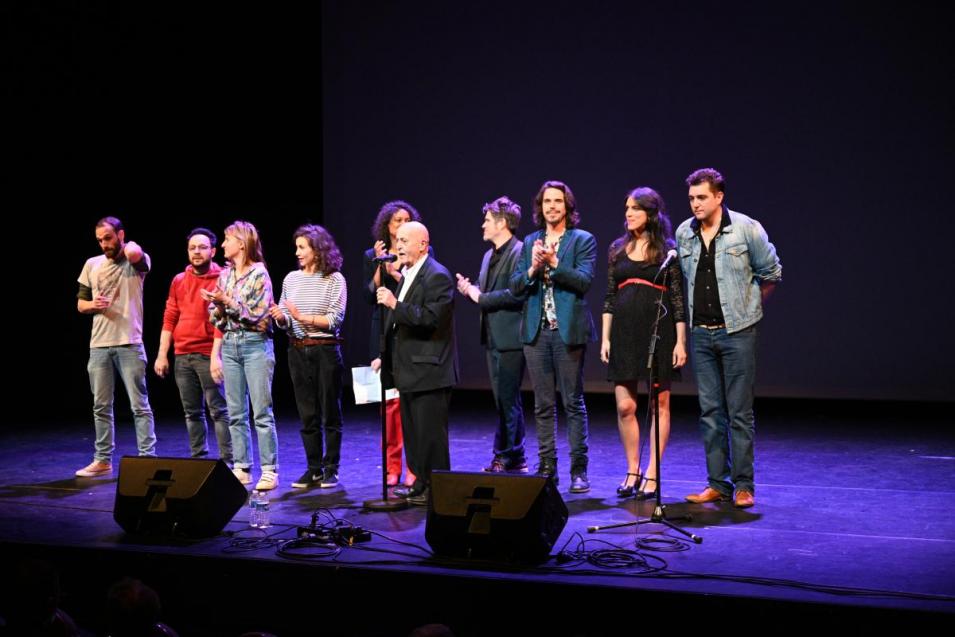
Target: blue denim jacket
<point>744,257</point>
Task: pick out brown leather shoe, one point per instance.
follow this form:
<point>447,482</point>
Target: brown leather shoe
<point>709,494</point>
<point>743,499</point>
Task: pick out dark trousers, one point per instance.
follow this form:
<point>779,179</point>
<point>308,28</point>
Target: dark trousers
<point>198,391</point>
<point>316,372</point>
<point>553,366</point>
<point>424,421</point>
<point>506,369</point>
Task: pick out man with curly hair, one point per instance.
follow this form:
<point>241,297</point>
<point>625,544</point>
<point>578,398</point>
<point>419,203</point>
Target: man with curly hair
<point>555,271</point>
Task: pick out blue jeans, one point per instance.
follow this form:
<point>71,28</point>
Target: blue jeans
<point>197,389</point>
<point>552,365</point>
<point>130,362</point>
<point>725,367</point>
<point>248,362</point>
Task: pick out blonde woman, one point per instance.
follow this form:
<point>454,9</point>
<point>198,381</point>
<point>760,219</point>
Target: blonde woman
<point>242,355</point>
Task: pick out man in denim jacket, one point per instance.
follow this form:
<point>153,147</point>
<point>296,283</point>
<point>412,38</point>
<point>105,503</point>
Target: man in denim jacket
<point>730,268</point>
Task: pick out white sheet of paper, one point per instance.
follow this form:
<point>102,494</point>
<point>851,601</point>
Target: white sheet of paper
<point>366,384</point>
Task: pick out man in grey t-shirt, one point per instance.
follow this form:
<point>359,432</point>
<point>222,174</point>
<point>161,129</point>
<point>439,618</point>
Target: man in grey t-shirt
<point>111,290</point>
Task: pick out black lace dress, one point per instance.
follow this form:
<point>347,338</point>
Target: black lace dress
<point>634,309</point>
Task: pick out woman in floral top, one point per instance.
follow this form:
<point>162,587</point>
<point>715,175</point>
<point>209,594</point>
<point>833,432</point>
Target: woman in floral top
<point>242,352</point>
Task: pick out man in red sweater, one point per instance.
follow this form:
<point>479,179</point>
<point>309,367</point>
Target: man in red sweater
<point>186,323</point>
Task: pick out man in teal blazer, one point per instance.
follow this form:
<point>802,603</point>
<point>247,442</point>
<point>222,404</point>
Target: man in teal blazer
<point>554,274</point>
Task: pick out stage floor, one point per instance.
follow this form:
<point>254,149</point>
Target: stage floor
<point>852,518</point>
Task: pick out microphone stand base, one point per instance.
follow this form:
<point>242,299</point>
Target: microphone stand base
<point>385,506</point>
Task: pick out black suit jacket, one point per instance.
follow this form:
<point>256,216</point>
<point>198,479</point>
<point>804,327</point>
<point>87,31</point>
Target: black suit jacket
<point>423,354</point>
<point>369,292</point>
<point>500,309</point>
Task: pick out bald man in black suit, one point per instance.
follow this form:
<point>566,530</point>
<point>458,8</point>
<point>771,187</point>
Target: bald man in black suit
<point>421,356</point>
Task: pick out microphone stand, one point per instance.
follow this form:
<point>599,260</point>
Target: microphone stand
<point>386,503</point>
<point>659,515</point>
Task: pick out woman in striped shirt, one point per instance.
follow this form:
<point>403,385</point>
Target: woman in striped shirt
<point>311,309</point>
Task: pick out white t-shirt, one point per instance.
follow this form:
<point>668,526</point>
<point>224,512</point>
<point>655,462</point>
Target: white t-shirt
<point>122,322</point>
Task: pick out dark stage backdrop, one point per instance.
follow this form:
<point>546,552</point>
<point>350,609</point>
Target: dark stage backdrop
<point>167,118</point>
<point>832,124</point>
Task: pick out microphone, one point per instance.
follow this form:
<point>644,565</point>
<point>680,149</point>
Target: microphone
<point>663,266</point>
<point>670,256</point>
<point>389,258</point>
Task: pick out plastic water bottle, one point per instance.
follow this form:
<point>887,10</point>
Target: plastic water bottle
<point>259,509</point>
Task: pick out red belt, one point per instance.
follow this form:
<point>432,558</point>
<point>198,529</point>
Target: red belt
<point>641,282</point>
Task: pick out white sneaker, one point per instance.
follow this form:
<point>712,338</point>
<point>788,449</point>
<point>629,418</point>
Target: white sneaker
<point>94,469</point>
<point>244,476</point>
<point>268,481</point>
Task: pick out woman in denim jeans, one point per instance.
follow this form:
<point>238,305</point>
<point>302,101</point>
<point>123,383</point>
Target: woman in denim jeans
<point>312,308</point>
<point>634,283</point>
<point>242,354</point>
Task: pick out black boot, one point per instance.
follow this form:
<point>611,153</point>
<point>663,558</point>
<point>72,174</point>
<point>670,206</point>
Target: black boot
<point>548,469</point>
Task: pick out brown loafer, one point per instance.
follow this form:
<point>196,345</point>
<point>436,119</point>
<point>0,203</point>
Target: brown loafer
<point>709,494</point>
<point>743,499</point>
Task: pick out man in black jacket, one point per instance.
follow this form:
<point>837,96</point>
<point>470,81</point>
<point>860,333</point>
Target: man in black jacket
<point>421,355</point>
<point>501,330</point>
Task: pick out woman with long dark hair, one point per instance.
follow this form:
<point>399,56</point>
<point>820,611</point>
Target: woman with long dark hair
<point>384,231</point>
<point>634,283</point>
<point>244,356</point>
<point>311,309</point>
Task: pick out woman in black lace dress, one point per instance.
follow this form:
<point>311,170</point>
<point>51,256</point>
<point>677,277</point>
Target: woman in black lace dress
<point>634,283</point>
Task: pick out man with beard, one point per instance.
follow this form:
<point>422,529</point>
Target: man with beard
<point>111,290</point>
<point>186,323</point>
<point>553,276</point>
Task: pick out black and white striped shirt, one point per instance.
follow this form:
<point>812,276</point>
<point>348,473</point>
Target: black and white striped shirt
<point>314,294</point>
